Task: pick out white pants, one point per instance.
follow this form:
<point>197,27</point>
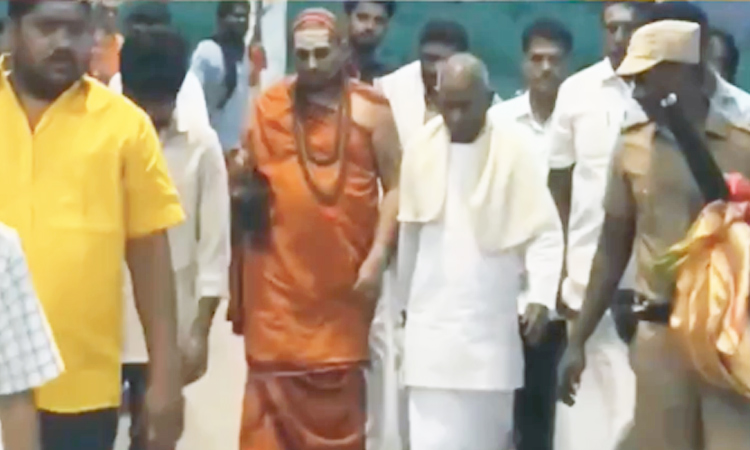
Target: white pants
<point>386,402</point>
<point>213,404</point>
<point>605,402</point>
<point>460,420</point>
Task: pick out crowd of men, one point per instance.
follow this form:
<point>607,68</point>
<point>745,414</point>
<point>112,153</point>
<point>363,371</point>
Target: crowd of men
<point>410,261</point>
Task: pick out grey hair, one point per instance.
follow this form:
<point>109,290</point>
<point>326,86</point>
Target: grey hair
<point>465,62</point>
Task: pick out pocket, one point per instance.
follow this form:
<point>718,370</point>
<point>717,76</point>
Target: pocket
<point>92,194</point>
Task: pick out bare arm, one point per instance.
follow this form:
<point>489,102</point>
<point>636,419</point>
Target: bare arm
<point>150,265</point>
<point>388,159</point>
<point>611,259</point>
<point>612,253</point>
<point>18,416</point>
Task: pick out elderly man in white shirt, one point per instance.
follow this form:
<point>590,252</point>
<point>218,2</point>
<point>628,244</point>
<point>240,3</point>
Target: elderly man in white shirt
<point>546,45</point>
<point>153,66</point>
<point>480,238</point>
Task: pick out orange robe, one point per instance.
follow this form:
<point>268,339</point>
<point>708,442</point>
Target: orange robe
<point>306,330</point>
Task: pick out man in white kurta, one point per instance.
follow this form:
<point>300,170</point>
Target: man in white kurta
<point>200,250</point>
<point>480,233</point>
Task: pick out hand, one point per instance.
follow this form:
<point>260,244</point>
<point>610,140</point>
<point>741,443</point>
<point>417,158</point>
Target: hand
<point>534,323</point>
<point>164,414</point>
<point>571,367</point>
<point>195,353</point>
<point>370,277</point>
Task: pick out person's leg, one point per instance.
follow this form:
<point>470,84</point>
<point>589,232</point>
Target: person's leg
<point>95,430</point>
<point>137,378</point>
<point>441,419</point>
<point>535,403</point>
<point>726,420</point>
<point>605,400</point>
<point>667,413</point>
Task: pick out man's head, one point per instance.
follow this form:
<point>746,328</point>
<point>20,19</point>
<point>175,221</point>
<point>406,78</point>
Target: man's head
<point>663,58</point>
<point>319,53</point>
<point>50,42</point>
<point>368,23</point>
<point>723,55</point>
<point>620,19</point>
<point>153,65</point>
<point>232,20</point>
<point>440,39</point>
<point>464,95</point>
<point>546,46</point>
<point>146,15</point>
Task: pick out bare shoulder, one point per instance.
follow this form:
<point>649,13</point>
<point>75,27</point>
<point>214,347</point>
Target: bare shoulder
<point>370,108</point>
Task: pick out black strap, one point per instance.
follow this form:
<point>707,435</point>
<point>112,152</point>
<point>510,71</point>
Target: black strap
<point>702,164</point>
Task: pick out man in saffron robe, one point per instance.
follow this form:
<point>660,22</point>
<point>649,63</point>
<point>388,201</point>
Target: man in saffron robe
<point>324,143</point>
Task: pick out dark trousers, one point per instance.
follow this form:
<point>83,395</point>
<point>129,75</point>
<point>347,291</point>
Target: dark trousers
<point>534,413</point>
<point>136,378</point>
<point>95,430</point>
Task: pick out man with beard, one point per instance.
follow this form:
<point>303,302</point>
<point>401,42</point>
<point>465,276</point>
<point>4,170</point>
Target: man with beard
<point>547,45</point>
<point>324,143</point>
<point>223,68</point>
<point>480,238</point>
<point>86,186</point>
<point>584,129</point>
<point>368,24</point>
<point>653,196</point>
<point>153,65</point>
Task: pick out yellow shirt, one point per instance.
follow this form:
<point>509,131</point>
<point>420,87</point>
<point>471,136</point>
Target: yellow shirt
<point>88,177</point>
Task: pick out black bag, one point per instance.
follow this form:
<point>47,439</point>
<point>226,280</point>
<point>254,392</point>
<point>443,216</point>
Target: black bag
<point>251,206</point>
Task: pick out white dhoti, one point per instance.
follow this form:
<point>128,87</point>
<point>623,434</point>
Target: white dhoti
<point>442,419</point>
<point>386,402</point>
<point>605,402</point>
<point>213,404</point>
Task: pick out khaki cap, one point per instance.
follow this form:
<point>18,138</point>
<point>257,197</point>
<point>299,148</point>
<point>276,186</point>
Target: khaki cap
<point>674,41</point>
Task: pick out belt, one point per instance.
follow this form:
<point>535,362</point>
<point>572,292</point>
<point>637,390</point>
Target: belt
<point>647,310</point>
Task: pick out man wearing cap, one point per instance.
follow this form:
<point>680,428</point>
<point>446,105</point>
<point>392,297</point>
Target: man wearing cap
<point>651,201</point>
<point>323,143</point>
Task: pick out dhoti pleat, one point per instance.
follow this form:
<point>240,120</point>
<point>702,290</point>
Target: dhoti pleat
<point>310,411</point>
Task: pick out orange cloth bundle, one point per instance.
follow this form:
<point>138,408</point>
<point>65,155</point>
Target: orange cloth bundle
<point>712,270</point>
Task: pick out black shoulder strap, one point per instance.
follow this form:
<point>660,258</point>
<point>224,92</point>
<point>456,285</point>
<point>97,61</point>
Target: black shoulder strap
<point>702,164</point>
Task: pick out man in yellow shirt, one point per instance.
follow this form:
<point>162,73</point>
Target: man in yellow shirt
<point>84,182</point>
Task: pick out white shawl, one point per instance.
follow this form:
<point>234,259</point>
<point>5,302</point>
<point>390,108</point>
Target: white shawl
<point>511,203</point>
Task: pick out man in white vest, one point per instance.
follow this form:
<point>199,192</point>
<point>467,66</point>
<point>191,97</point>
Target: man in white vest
<point>480,233</point>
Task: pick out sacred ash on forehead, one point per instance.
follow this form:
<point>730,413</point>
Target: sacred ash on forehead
<point>314,28</point>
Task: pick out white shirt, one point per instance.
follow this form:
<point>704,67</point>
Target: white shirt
<point>29,357</point>
<point>227,115</point>
<point>536,139</point>
<point>462,330</point>
<point>200,246</point>
<point>584,129</point>
<point>189,98</point>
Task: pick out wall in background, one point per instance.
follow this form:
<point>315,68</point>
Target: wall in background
<point>495,29</point>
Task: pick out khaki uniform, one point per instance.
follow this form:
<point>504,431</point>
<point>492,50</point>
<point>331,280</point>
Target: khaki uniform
<point>651,181</point>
